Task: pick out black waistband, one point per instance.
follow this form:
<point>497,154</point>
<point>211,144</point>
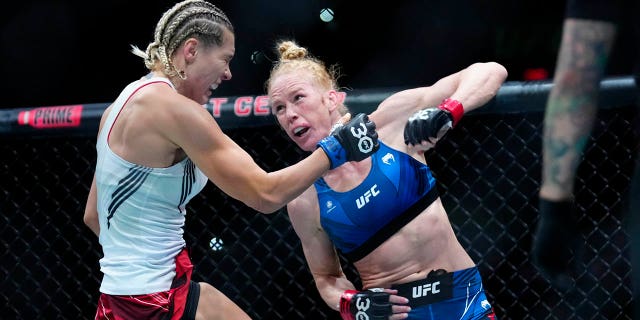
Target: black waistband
<point>436,287</point>
<point>393,226</point>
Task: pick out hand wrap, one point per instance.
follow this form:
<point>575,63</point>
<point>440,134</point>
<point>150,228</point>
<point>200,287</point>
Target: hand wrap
<point>431,124</point>
<point>371,304</point>
<point>354,141</point>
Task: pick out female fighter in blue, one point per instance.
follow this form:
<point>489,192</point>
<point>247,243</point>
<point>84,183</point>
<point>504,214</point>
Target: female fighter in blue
<point>383,213</point>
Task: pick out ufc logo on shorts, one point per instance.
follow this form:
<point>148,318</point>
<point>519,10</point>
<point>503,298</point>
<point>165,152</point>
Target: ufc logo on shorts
<point>423,290</point>
<point>365,144</point>
<point>362,307</point>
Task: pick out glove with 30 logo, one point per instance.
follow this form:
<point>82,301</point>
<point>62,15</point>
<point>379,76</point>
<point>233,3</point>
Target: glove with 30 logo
<point>371,304</point>
<point>353,141</point>
<point>431,124</point>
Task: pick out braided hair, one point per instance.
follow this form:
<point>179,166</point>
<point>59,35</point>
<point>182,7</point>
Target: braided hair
<point>186,19</point>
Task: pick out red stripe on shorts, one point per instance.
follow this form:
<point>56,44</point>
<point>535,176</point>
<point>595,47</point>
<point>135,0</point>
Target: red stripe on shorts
<point>153,306</point>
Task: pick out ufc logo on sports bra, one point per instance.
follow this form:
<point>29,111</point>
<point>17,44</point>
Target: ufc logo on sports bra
<point>423,290</point>
<point>364,199</point>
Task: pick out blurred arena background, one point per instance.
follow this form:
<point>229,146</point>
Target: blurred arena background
<point>76,52</point>
<point>70,51</point>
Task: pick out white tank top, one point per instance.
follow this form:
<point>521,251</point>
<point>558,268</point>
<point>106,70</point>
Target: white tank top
<point>141,212</point>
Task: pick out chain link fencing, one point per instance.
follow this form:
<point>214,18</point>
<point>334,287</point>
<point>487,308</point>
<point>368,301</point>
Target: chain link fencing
<point>488,173</point>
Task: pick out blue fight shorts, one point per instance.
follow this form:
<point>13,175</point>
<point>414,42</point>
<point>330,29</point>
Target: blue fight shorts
<point>455,295</point>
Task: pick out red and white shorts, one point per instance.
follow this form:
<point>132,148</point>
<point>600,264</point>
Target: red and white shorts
<point>153,306</point>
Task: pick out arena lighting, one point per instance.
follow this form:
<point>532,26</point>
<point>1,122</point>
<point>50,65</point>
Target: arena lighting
<point>533,74</point>
<point>258,57</point>
<point>326,14</point>
<point>216,244</point>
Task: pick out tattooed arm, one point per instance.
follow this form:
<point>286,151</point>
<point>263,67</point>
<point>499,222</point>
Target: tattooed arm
<point>570,113</point>
<point>572,104</point>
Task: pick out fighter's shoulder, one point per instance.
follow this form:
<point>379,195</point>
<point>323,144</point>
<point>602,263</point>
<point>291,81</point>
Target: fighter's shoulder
<point>163,103</point>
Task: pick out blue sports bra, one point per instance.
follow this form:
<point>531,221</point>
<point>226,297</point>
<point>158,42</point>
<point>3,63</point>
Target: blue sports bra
<point>395,191</point>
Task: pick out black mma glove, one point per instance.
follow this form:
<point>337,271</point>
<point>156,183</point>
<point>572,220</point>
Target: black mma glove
<point>370,304</point>
<point>353,141</point>
<point>431,124</point>
<point>557,243</point>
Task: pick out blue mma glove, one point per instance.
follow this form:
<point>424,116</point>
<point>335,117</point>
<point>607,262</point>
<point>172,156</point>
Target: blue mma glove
<point>353,141</point>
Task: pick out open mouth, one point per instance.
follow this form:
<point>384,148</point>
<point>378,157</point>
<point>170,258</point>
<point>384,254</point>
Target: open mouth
<point>299,131</point>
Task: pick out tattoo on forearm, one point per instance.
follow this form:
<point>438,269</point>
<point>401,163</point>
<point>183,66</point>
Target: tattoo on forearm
<point>572,104</point>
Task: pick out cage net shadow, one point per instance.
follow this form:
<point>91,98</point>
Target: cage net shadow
<point>488,173</point>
